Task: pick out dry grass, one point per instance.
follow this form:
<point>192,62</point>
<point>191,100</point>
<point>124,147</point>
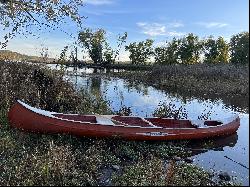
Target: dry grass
<point>46,89</point>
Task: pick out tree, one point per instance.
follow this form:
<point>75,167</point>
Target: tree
<point>140,52</point>
<point>110,55</point>
<point>93,42</point>
<point>239,48</point>
<point>168,54</point>
<point>190,49</point>
<point>216,51</point>
<point>63,57</point>
<point>16,16</point>
<point>97,46</point>
<point>223,49</point>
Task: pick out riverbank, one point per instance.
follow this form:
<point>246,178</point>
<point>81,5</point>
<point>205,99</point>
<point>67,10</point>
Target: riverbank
<point>226,81</point>
<point>36,159</point>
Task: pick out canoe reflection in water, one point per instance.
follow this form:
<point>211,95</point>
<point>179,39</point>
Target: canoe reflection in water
<point>215,144</point>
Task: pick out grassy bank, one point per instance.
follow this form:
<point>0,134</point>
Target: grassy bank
<point>39,159</point>
<point>227,81</point>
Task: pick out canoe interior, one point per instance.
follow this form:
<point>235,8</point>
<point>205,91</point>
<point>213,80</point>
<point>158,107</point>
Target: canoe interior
<point>133,121</point>
<point>212,123</point>
<point>82,118</point>
<point>137,121</point>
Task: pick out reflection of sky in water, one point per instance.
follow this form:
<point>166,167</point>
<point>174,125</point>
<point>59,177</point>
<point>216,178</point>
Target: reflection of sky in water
<point>80,71</point>
<point>119,94</point>
<point>71,69</point>
<point>144,100</point>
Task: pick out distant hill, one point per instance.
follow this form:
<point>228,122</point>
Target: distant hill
<point>14,56</point>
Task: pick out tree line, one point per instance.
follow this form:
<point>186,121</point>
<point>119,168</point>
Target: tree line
<point>189,49</point>
<point>19,17</point>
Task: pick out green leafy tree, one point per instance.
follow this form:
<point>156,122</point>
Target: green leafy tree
<point>223,49</point>
<point>108,55</point>
<point>239,48</point>
<point>93,41</point>
<point>190,49</point>
<point>17,16</point>
<point>168,54</point>
<point>140,52</point>
<point>97,46</point>
<point>216,51</point>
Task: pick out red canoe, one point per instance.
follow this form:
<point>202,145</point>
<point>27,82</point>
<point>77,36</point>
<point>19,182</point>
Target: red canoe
<point>32,119</point>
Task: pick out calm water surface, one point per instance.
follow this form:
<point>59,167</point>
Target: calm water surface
<point>231,153</point>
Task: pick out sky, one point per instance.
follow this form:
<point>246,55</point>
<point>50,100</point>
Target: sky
<point>159,20</point>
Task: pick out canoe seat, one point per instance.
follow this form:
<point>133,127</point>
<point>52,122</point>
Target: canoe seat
<point>198,123</point>
<point>103,120</point>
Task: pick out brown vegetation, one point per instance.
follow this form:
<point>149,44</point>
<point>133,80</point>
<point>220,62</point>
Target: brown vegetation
<point>227,81</point>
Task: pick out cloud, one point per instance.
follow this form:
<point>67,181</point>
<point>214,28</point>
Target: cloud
<point>99,2</point>
<point>175,25</point>
<point>154,29</point>
<point>157,29</point>
<point>212,24</point>
<point>177,34</point>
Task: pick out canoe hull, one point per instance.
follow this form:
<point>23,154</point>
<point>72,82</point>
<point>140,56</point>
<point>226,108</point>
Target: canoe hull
<point>23,118</point>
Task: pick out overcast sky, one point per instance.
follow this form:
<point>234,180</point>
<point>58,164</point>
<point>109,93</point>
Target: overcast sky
<point>156,19</point>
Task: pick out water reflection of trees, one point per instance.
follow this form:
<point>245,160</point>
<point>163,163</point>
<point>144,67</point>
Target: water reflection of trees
<point>94,86</point>
<point>235,102</point>
<point>140,88</point>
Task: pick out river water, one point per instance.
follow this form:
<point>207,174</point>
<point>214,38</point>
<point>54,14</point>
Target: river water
<point>230,154</point>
